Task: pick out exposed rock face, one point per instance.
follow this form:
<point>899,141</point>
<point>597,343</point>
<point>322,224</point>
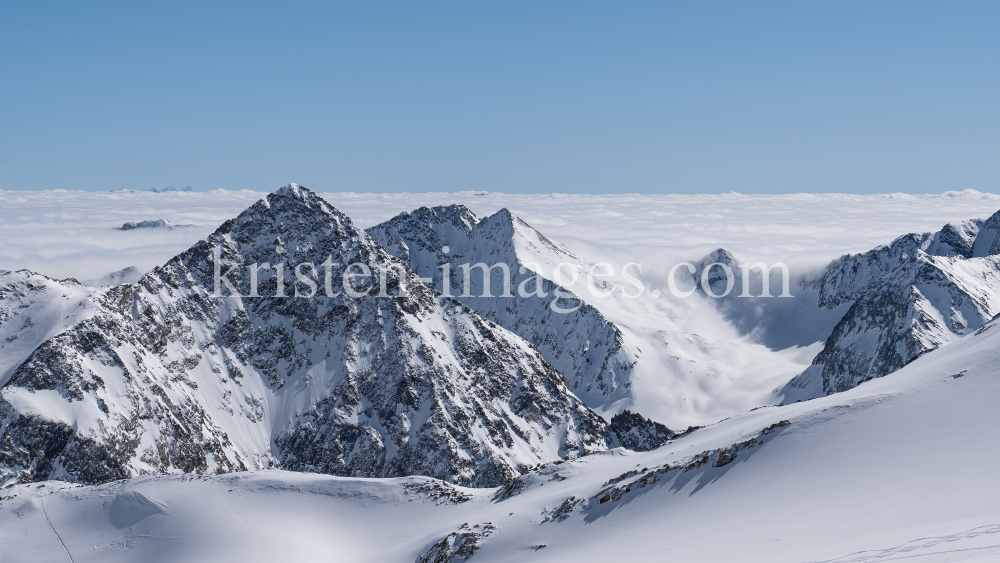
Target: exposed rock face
<point>912,296</point>
<point>925,303</point>
<point>717,277</point>
<point>571,334</point>
<point>638,433</point>
<point>459,545</point>
<point>847,277</point>
<point>987,242</point>
<point>165,375</point>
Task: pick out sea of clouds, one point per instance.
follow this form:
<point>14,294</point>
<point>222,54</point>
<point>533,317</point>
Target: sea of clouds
<point>76,234</point>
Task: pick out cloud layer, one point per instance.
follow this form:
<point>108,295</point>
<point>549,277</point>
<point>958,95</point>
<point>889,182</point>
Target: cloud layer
<point>74,234</point>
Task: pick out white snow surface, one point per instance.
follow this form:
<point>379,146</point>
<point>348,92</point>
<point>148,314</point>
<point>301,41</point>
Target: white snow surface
<point>899,468</point>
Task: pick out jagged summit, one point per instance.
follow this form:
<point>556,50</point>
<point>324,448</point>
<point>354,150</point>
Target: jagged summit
<point>294,190</point>
<point>295,228</point>
<point>582,344</point>
<point>851,274</point>
<point>304,195</point>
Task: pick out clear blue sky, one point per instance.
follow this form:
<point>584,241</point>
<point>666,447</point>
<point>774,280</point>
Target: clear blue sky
<point>590,97</point>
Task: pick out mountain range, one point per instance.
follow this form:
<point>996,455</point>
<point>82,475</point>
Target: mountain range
<point>235,356</point>
<point>168,375</point>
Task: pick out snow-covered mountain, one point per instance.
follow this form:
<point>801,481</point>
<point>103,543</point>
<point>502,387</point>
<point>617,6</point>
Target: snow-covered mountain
<point>169,189</point>
<point>149,224</point>
<point>571,334</point>
<point>406,396</point>
<point>165,376</point>
<point>875,311</point>
<point>914,295</point>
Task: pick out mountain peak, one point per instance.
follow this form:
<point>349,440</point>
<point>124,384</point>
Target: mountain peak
<point>457,215</point>
<point>292,189</point>
<point>291,226</point>
<point>295,192</point>
<point>719,256</point>
<point>504,214</point>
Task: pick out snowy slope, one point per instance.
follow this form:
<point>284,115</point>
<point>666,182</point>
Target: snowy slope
<point>898,468</point>
<point>163,376</point>
<point>33,308</point>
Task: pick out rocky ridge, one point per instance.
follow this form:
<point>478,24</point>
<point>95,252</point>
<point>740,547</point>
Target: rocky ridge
<point>914,295</point>
<point>570,333</point>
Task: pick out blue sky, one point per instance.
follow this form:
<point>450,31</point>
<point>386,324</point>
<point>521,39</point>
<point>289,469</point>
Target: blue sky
<point>584,97</point>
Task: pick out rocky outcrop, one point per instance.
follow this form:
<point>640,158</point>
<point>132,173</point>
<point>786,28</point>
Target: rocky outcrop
<point>638,433</point>
<point>459,545</point>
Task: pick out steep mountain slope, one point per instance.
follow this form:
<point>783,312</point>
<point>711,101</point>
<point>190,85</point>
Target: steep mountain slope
<point>573,336</point>
<point>34,308</point>
<point>916,294</point>
<point>166,376</point>
<point>898,468</point>
<point>853,274</point>
<point>987,241</point>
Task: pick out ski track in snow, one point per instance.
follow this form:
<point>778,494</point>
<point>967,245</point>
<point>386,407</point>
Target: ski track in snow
<point>237,514</point>
<point>41,503</point>
<point>912,549</point>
